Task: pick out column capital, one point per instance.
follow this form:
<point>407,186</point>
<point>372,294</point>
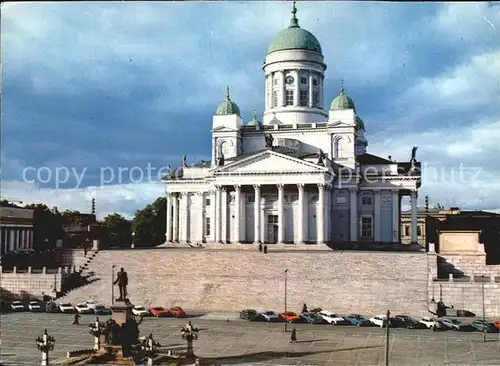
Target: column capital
<point>256,187</point>
<point>321,187</point>
<point>217,186</point>
<point>413,193</point>
<point>377,192</point>
<point>237,187</point>
<point>353,190</point>
<point>280,186</point>
<point>200,193</point>
<point>300,186</point>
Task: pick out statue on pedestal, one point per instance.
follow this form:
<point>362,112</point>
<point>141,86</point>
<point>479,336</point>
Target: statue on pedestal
<point>220,159</point>
<point>122,281</point>
<point>269,140</point>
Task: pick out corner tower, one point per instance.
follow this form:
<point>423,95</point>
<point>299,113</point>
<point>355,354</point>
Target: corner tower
<point>294,72</point>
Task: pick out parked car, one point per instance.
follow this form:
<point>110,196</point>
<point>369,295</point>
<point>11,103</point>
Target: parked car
<point>270,316</point>
<point>439,326</point>
<point>91,304</point>
<point>456,324</point>
<point>102,310</point>
<point>312,318</point>
<point>428,322</point>
<point>250,314</point>
<point>17,306</point>
<point>496,324</point>
<point>379,320</point>
<point>35,306</point>
<point>177,312</point>
<point>405,321</point>
<point>358,320</point>
<point>140,311</point>
<point>331,318</point>
<point>159,311</point>
<point>484,326</point>
<point>66,307</point>
<point>82,308</point>
<point>289,316</point>
<point>51,307</point>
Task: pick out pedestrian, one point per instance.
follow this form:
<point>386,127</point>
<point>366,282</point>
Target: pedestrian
<point>260,247</point>
<point>85,251</point>
<point>293,337</point>
<point>304,308</point>
<point>265,249</point>
<point>76,319</point>
<point>189,326</point>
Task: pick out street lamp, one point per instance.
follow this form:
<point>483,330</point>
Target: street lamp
<point>112,284</point>
<point>96,329</point>
<point>286,293</point>
<point>45,343</point>
<point>189,334</point>
<point>148,346</point>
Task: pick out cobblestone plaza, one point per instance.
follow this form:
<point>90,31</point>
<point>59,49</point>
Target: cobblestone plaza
<point>225,340</point>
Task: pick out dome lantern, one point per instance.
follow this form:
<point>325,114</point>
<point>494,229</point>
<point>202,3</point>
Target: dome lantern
<point>342,101</point>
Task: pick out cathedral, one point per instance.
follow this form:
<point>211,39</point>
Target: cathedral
<point>300,175</point>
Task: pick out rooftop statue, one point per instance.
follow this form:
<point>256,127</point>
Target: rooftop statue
<point>269,141</point>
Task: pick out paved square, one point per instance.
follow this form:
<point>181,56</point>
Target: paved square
<point>240,342</point>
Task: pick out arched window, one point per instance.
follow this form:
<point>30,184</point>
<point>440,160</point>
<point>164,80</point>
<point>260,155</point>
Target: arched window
<point>338,148</point>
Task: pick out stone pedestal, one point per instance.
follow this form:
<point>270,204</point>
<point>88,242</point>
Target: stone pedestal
<point>121,311</point>
<point>95,244</point>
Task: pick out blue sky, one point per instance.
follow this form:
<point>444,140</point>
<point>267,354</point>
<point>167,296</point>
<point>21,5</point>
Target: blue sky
<point>91,86</point>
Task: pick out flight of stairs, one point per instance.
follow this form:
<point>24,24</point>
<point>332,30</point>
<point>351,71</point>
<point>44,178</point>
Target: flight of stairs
<point>83,277</point>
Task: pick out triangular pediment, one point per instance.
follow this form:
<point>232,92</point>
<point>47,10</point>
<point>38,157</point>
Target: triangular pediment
<point>338,124</point>
<point>223,129</point>
<point>270,162</point>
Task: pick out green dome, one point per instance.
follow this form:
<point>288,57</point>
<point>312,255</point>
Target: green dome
<point>227,107</point>
<point>254,121</point>
<point>360,125</point>
<point>294,37</point>
<point>341,102</point>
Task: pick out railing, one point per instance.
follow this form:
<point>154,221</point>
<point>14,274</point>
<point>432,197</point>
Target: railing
<point>375,246</point>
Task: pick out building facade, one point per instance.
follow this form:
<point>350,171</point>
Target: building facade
<point>301,175</point>
<point>16,229</point>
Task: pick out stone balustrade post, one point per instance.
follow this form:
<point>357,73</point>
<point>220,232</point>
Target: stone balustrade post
<point>44,270</point>
<point>450,277</point>
<point>29,269</point>
<point>66,269</point>
<point>1,269</point>
<point>14,270</point>
<point>492,278</point>
<point>432,248</point>
<point>59,270</point>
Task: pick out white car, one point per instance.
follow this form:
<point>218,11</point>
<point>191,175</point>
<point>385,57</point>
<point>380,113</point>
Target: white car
<point>17,306</point>
<point>91,304</point>
<point>140,311</point>
<point>34,306</point>
<point>379,320</point>
<point>82,308</point>
<point>429,322</point>
<point>270,316</point>
<point>66,307</point>
<point>331,318</point>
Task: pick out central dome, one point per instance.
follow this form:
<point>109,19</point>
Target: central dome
<point>294,37</point>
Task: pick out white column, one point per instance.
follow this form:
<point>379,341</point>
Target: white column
<point>175,228</point>
<point>223,216</point>
<point>414,221</point>
<point>11,239</point>
<point>203,214</point>
<point>168,232</point>
<point>376,213</point>
<point>281,213</point>
<point>353,202</point>
<point>296,93</point>
<point>217,226</point>
<point>243,217</point>
<point>185,222</point>
<point>283,89</point>
<point>237,213</point>
<point>300,218</point>
<point>23,238</point>
<point>310,89</point>
<point>213,218</point>
<point>267,91</point>
<point>328,203</point>
<point>256,214</point>
<point>396,222</point>
<point>320,90</point>
<point>320,214</point>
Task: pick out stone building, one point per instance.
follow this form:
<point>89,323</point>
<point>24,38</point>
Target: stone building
<point>299,175</point>
<point>16,229</point>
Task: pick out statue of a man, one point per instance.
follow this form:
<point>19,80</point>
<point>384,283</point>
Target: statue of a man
<point>269,140</point>
<point>184,160</point>
<point>220,159</point>
<point>321,158</point>
<point>414,153</point>
<point>122,281</point>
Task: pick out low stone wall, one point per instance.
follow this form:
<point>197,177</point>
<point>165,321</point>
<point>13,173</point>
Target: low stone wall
<point>465,264</point>
<point>231,280</point>
<point>31,283</point>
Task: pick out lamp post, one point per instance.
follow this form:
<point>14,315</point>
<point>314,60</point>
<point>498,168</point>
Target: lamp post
<point>112,285</point>
<point>484,312</point>
<point>45,343</point>
<point>387,338</point>
<point>286,294</point>
<point>189,334</point>
<point>96,329</point>
<point>133,240</point>
<point>148,346</point>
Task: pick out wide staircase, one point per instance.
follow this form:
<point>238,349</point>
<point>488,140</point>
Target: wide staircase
<point>84,275</point>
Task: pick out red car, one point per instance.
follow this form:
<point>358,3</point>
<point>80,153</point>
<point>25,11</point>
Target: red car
<point>497,324</point>
<point>177,312</point>
<point>290,316</point>
<point>159,311</point>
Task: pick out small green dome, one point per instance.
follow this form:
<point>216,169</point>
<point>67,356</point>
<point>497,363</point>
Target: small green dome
<point>294,37</point>
<point>360,125</point>
<point>254,121</point>
<point>342,101</point>
<point>227,107</point>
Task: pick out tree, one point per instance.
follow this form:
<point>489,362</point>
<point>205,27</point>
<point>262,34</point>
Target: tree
<point>47,226</point>
<point>118,231</point>
<point>149,224</point>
